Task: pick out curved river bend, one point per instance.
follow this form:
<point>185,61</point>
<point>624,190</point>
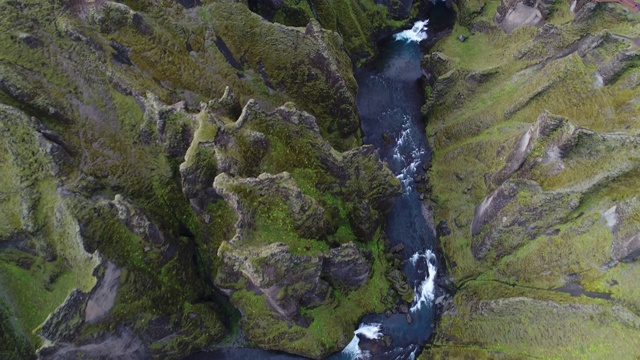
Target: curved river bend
<point>389,101</point>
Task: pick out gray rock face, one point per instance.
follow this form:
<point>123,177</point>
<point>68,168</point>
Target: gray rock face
<point>516,211</point>
<point>64,323</point>
<point>558,135</point>
<point>169,126</point>
<point>345,267</point>
<point>137,221</point>
<point>124,344</point>
<point>286,280</point>
<point>625,228</point>
<point>512,14</point>
<point>103,296</point>
<point>611,55</point>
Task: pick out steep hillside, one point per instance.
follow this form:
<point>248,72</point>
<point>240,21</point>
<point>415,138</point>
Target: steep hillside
<point>534,124</point>
<point>133,203</point>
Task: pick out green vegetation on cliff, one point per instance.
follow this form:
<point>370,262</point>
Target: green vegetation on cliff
<point>358,22</point>
<point>112,232</point>
<point>535,172</point>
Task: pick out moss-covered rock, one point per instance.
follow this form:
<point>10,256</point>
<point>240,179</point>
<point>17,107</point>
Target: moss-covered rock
<point>359,22</point>
<point>315,72</point>
<point>534,160</point>
<point>111,225</point>
<point>283,259</point>
<point>345,267</point>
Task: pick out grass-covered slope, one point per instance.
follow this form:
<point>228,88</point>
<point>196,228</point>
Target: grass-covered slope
<point>535,172</point>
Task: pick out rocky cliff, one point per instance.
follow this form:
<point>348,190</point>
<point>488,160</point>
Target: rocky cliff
<point>534,124</point>
<point>157,174</point>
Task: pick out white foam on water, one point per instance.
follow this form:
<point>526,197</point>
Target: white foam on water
<point>599,81</point>
<point>414,258</point>
<point>424,292</point>
<point>370,331</point>
<point>417,33</point>
<point>407,144</point>
<point>352,349</point>
<point>412,356</point>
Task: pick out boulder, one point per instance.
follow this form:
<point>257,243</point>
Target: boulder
<point>345,267</point>
<point>397,279</point>
<point>286,281</point>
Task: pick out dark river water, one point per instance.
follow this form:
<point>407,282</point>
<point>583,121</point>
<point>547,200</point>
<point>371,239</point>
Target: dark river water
<point>389,101</point>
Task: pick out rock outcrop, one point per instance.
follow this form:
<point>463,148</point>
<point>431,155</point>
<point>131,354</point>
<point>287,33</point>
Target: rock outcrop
<point>346,267</point>
<point>295,223</point>
<point>513,14</point>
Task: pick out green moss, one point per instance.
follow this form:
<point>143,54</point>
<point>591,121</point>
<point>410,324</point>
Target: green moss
<point>537,323</point>
<point>306,75</point>
<point>560,13</point>
<point>294,13</point>
<point>34,293</point>
<point>474,125</point>
<point>205,132</point>
<point>580,248</point>
<point>274,223</point>
<point>621,282</point>
<point>13,345</point>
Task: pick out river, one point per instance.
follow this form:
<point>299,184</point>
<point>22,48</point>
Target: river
<point>389,99</point>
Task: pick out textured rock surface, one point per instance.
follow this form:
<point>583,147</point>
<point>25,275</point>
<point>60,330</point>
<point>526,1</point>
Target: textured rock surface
<point>535,168</point>
<point>110,144</point>
<point>346,267</point>
<point>280,254</point>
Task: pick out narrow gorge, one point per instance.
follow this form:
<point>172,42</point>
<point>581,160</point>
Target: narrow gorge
<point>343,179</point>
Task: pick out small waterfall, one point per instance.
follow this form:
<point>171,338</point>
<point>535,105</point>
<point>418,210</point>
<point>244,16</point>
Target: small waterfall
<point>370,331</point>
<point>424,292</point>
<point>417,33</point>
